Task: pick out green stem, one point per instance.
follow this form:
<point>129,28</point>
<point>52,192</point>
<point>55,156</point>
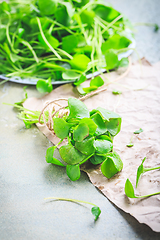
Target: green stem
<point>150,169</point>
<point>149,195</point>
<point>70,200</point>
<point>45,40</point>
<point>86,159</point>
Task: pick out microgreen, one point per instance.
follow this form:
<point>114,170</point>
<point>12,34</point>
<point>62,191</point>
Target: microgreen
<point>129,191</point>
<point>141,169</point>
<point>116,92</point>
<point>138,131</point>
<point>130,144</point>
<point>95,210</point>
<point>61,41</point>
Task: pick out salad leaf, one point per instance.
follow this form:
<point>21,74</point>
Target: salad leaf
<point>112,165</point>
<point>73,172</point>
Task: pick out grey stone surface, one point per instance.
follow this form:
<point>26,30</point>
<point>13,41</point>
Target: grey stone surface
<point>26,179</point>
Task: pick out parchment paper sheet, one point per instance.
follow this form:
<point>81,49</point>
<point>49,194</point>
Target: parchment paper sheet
<point>138,109</point>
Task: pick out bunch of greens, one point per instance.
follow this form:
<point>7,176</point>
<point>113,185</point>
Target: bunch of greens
<point>129,190</point>
<point>89,136</point>
<point>60,40</point>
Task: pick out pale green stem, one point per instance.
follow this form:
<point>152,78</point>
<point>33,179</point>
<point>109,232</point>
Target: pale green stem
<point>70,200</point>
<point>45,40</point>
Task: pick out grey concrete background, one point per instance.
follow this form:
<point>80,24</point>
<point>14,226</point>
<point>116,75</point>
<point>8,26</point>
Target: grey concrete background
<point>26,179</point>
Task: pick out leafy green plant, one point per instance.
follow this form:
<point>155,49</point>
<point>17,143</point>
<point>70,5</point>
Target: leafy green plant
<point>95,210</point>
<point>138,131</point>
<point>60,40</point>
<point>141,170</point>
<point>89,136</point>
<point>129,190</point>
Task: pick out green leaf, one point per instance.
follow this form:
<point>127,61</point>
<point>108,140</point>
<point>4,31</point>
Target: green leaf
<point>62,16</point>
<point>129,190</point>
<point>112,165</point>
<point>70,75</point>
<point>113,120</point>
<point>96,159</point>
<point>73,172</point>
<point>130,145</point>
<point>94,84</point>
<point>71,155</point>
<point>116,92</point>
<point>80,62</point>
<point>80,132</point>
<point>80,80</point>
<point>69,43</point>
<point>102,146</point>
<point>50,158</point>
<point>106,114</point>
<point>105,12</point>
<point>90,89</point>
<point>116,41</point>
<point>87,16</point>
<point>139,173</point>
<point>96,211</point>
<point>138,131</point>
<point>113,126</point>
<point>86,146</point>
<point>105,137</point>
<point>69,8</point>
<point>97,81</point>
<point>44,86</point>
<point>47,7</point>
<point>77,109</point>
<point>91,125</point>
<point>111,59</point>
<point>101,127</point>
<point>61,127</point>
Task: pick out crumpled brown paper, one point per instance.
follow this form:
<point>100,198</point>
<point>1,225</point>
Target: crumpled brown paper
<point>139,107</point>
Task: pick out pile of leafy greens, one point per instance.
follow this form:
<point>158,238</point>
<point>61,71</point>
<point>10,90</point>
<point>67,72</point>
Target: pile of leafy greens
<point>89,136</point>
<point>60,40</point>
